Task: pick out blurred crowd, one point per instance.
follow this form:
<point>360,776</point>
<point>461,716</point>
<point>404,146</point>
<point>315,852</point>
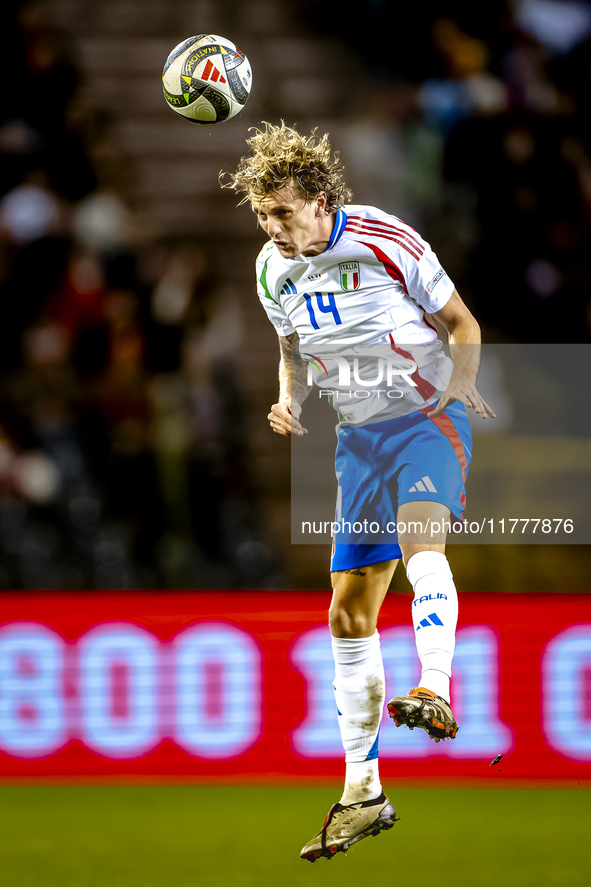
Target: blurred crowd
<point>474,126</point>
<point>124,458</point>
<point>123,455</point>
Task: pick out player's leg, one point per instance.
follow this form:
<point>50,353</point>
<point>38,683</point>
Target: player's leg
<point>432,470</point>
<point>434,615</point>
<point>359,685</point>
<point>435,602</point>
<point>361,575</point>
<point>357,597</point>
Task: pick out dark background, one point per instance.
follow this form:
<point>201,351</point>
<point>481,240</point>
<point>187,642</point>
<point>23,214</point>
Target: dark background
<point>136,366</point>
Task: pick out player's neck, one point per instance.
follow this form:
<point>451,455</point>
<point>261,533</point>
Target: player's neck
<point>323,234</point>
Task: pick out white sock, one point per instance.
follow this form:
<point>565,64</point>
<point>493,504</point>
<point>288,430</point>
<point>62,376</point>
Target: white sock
<point>434,616</point>
<point>362,782</point>
<point>360,689</point>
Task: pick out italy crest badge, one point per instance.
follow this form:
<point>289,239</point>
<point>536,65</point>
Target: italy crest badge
<point>349,272</point>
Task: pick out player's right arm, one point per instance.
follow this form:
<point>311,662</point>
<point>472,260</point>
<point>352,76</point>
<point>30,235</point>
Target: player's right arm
<point>293,389</point>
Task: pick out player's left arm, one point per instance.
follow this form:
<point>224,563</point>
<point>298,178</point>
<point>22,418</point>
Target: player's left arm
<point>464,342</point>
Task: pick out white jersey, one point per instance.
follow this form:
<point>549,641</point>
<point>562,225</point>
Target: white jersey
<point>364,297</point>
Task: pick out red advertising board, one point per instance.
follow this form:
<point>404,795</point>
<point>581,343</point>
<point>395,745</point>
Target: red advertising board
<point>231,685</point>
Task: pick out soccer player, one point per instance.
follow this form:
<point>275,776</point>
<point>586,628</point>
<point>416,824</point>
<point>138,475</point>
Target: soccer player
<point>338,280</point>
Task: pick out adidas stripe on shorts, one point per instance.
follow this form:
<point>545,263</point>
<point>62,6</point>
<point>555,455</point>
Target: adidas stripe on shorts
<point>382,465</point>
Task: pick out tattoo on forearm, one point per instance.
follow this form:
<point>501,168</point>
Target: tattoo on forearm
<point>293,370</point>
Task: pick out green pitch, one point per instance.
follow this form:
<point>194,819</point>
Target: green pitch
<point>193,836</point>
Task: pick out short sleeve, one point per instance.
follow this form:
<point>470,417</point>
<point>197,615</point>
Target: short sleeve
<point>269,301</point>
<point>426,281</point>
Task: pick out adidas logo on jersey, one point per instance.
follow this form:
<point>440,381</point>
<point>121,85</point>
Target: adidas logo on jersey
<point>431,619</point>
<point>288,288</point>
<point>424,485</point>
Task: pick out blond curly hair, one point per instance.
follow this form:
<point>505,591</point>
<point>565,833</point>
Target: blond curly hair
<point>280,155</point>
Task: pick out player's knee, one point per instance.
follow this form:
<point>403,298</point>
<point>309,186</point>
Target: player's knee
<point>347,622</point>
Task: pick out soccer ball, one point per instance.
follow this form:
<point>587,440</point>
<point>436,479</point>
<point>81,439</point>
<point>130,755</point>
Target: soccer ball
<point>206,79</point>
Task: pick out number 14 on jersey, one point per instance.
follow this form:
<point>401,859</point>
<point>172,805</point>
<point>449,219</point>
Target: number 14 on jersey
<point>330,307</point>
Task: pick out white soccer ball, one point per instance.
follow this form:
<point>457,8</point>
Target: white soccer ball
<point>207,79</point>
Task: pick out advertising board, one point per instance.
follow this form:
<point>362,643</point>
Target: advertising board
<point>238,685</point>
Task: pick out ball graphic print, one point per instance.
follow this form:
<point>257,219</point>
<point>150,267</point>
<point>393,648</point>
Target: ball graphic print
<point>207,79</point>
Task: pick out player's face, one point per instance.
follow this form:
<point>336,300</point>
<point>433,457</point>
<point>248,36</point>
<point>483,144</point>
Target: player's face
<point>295,226</point>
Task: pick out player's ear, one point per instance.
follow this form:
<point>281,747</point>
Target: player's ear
<point>320,203</point>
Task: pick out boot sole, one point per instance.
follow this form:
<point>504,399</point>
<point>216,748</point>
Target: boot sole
<point>423,716</point>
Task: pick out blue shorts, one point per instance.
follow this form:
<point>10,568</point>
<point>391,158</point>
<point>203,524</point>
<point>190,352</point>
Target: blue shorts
<point>385,464</point>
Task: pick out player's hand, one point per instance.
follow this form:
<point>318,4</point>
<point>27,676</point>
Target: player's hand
<point>284,418</point>
<point>465,392</point>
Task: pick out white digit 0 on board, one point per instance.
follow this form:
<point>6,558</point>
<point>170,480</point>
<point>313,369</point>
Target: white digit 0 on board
<point>118,690</point>
<point>566,670</point>
<point>218,690</point>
